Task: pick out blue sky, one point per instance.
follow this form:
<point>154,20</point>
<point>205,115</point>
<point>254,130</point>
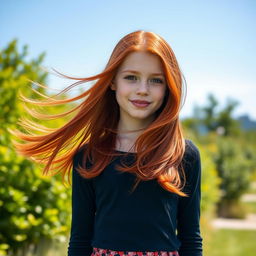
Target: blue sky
<point>214,41</point>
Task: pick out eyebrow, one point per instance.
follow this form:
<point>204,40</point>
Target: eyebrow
<point>136,72</point>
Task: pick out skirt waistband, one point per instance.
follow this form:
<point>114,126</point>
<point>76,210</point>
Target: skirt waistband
<point>108,252</point>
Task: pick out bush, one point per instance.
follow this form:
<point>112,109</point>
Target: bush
<point>234,169</point>
<point>32,207</point>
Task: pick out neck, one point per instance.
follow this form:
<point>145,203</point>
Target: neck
<point>128,132</point>
<point>132,129</point>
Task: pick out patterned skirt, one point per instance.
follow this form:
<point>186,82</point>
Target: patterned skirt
<point>107,252</point>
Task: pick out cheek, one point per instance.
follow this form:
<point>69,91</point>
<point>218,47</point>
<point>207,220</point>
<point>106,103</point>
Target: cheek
<point>159,93</point>
<point>122,91</point>
<point>121,94</point>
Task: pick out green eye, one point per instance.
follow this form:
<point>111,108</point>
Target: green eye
<point>130,77</point>
<point>157,80</point>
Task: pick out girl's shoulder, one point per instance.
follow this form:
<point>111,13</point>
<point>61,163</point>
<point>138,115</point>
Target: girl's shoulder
<point>192,153</point>
<point>78,156</point>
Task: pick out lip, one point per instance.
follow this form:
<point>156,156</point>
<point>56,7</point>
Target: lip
<point>140,103</point>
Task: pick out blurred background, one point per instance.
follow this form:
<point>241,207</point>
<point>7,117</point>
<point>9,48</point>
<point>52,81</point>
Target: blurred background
<point>214,44</point>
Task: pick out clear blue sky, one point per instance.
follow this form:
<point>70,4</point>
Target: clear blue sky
<point>214,41</point>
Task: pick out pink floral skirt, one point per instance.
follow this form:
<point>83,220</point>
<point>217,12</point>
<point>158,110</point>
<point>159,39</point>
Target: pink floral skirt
<point>107,252</point>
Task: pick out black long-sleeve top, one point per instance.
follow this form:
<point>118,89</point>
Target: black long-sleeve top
<point>105,215</point>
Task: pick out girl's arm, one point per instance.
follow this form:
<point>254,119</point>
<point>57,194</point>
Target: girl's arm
<point>83,213</point>
<point>188,218</point>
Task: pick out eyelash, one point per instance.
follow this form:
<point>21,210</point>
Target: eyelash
<point>159,81</point>
<point>156,80</point>
<point>129,77</point>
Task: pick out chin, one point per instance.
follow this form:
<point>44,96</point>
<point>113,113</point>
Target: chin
<point>141,118</point>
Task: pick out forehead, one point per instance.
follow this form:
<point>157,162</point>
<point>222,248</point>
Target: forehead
<point>142,62</point>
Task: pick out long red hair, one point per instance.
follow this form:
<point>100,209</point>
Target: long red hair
<point>160,147</point>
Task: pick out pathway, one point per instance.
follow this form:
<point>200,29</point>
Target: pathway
<point>249,223</point>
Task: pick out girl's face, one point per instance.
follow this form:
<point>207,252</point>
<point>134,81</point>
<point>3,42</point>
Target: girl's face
<point>140,87</point>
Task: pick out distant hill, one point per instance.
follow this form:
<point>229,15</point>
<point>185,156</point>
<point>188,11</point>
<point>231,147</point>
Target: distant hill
<point>247,123</point>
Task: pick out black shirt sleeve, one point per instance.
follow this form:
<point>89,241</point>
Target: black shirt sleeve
<point>188,218</point>
<point>83,212</point>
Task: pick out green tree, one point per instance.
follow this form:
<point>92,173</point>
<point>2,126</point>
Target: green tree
<point>32,207</point>
<point>234,158</point>
<point>209,119</point>
<point>225,119</point>
<point>209,114</point>
<point>235,170</point>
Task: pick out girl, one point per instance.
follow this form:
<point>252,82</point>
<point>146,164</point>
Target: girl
<point>135,179</point>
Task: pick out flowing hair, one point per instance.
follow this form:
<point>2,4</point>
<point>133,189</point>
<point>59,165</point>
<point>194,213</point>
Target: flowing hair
<point>159,148</point>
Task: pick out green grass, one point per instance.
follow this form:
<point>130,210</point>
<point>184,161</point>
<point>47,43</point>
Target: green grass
<point>226,242</point>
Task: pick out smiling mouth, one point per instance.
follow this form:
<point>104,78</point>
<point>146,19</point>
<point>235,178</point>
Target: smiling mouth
<point>140,104</point>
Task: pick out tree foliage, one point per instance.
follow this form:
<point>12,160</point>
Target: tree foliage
<point>209,118</point>
<point>233,156</point>
<point>234,167</point>
<point>32,207</point>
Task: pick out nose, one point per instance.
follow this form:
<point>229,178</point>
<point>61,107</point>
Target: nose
<point>143,88</point>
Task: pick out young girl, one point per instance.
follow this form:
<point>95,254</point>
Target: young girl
<point>135,179</point>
